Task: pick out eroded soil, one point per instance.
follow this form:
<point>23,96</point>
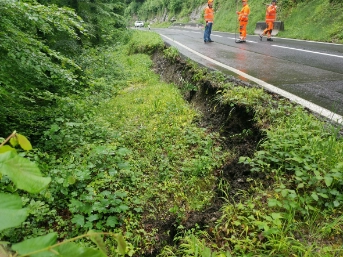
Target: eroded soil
<point>230,123</point>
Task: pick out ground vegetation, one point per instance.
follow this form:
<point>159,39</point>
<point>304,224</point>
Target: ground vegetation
<point>157,156</point>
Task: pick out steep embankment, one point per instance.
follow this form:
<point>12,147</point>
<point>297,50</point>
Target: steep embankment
<point>312,20</point>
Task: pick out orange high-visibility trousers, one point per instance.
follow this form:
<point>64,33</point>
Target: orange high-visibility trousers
<point>243,29</point>
<point>269,28</point>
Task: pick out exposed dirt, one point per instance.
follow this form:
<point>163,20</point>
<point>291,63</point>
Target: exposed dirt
<point>229,122</point>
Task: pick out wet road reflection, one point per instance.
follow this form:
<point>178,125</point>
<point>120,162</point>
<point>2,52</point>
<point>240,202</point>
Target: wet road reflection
<point>310,70</point>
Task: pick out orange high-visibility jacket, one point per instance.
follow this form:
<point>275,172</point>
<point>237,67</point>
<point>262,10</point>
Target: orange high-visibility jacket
<point>209,14</point>
<point>244,13</point>
<point>271,13</point>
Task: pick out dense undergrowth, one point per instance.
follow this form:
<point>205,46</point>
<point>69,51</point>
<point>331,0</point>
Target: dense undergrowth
<point>127,155</point>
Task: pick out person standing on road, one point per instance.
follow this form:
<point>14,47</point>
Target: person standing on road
<point>270,18</point>
<point>209,16</point>
<point>243,16</point>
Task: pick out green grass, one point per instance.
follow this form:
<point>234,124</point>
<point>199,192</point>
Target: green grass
<point>127,146</point>
<point>128,149</point>
<point>315,20</point>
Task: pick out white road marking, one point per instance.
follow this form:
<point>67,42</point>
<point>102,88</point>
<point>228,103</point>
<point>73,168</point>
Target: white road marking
<point>309,41</point>
<point>308,51</point>
<point>216,35</point>
<point>313,107</point>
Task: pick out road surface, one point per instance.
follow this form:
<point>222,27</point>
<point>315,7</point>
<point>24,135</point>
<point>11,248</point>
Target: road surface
<point>309,73</point>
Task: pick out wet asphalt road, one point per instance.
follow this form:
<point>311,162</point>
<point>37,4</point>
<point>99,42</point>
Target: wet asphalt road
<point>310,70</point>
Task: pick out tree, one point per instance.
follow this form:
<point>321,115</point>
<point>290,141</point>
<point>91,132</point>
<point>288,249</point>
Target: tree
<point>31,72</point>
<point>102,17</point>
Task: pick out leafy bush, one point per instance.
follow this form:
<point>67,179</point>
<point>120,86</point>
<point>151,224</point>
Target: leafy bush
<point>307,159</point>
<point>26,176</point>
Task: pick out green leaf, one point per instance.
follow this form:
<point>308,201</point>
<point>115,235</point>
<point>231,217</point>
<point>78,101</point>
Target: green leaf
<point>24,142</point>
<point>13,141</point>
<point>301,185</point>
<point>123,207</point>
<point>299,173</point>
<point>273,202</point>
<point>336,203</point>
<point>323,195</point>
<point>71,180</point>
<point>124,165</point>
<point>123,151</point>
<point>34,244</point>
<point>11,212</point>
<point>297,159</point>
<point>317,173</point>
<point>314,196</point>
<point>284,192</point>
<point>112,221</point>
<point>93,217</point>
<point>75,250</point>
<point>276,215</point>
<point>78,220</point>
<point>6,148</point>
<point>328,180</point>
<point>24,173</point>
<point>97,239</point>
<point>121,244</point>
<point>121,194</point>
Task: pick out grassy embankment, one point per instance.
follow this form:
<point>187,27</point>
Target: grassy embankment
<point>128,152</point>
<point>298,214</point>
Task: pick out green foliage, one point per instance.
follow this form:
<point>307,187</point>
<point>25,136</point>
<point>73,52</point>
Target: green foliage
<point>172,54</point>
<point>309,156</point>
<point>30,70</point>
<point>103,19</point>
<point>243,96</point>
<point>103,155</point>
<point>47,246</point>
<point>151,8</point>
<point>252,228</point>
<point>22,172</point>
<point>142,43</point>
<point>126,150</point>
<point>12,214</point>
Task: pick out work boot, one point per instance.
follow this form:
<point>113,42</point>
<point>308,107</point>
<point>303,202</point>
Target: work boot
<point>261,36</point>
<point>269,39</point>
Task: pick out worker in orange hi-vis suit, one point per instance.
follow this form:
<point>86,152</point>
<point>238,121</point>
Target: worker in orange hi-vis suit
<point>209,17</point>
<point>243,16</point>
<point>270,18</point>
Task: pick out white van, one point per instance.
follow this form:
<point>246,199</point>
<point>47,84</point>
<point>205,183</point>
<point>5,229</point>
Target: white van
<point>139,24</point>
